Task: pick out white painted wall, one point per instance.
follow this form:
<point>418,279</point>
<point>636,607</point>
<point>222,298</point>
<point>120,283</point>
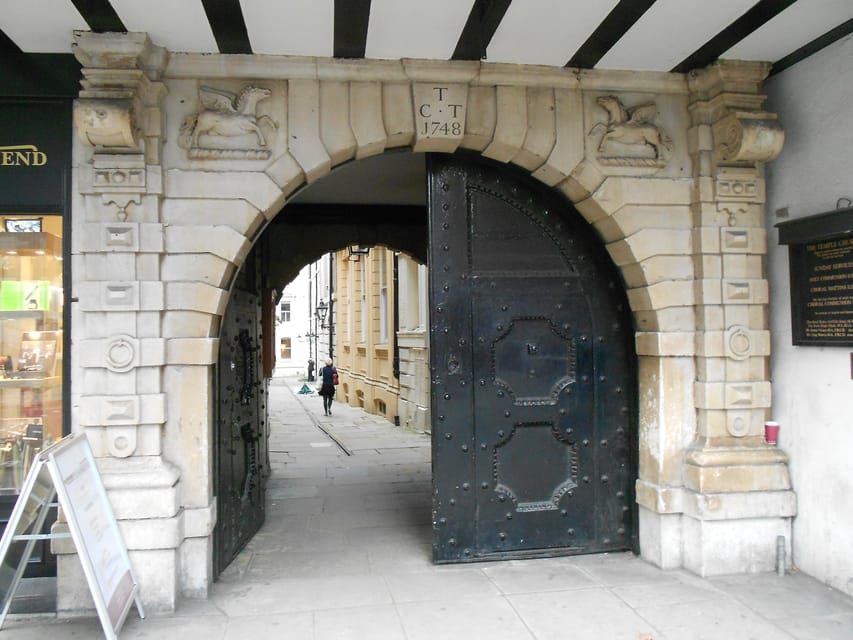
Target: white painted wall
<point>301,323</point>
<point>812,386</point>
<point>413,341</point>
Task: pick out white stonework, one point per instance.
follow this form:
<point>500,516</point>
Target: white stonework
<point>711,497</point>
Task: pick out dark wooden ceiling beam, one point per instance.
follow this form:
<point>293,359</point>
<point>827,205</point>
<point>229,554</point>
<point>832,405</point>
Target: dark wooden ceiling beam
<point>617,23</point>
<point>833,35</point>
<point>228,26</point>
<point>479,29</point>
<point>351,20</point>
<point>759,14</point>
<point>7,45</point>
<point>99,15</point>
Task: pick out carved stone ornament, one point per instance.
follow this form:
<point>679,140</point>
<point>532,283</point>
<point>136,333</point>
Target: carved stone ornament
<point>105,123</point>
<point>121,441</point>
<point>737,423</point>
<point>738,343</point>
<point>224,129</point>
<point>121,353</point>
<point>748,137</point>
<point>631,138</point>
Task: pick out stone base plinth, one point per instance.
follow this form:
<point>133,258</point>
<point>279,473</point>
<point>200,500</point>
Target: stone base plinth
<point>713,533</point>
<point>722,547</point>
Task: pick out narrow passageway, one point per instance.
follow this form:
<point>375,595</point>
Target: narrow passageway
<point>348,493</point>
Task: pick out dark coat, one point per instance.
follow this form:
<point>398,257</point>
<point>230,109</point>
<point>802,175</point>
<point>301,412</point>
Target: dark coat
<point>327,375</point>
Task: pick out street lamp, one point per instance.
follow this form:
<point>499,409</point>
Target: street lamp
<point>322,310</point>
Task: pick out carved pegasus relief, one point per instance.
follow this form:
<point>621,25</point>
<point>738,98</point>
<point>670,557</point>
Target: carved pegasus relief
<point>629,133</point>
<point>219,130</point>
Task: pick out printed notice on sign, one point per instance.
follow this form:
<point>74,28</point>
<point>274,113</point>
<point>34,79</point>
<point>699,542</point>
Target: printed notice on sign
<point>67,470</point>
<point>822,287</point>
<point>96,528</point>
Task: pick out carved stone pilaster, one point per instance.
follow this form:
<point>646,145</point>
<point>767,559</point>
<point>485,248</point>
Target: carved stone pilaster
<point>735,485</point>
<point>735,135</point>
<point>119,117</point>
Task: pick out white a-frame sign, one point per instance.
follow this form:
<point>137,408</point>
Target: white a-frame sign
<point>66,470</point>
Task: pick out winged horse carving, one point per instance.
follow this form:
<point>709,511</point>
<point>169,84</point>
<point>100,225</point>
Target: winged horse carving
<point>226,114</point>
<point>632,126</point>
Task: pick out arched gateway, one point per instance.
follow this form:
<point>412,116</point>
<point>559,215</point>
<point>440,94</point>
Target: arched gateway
<point>664,167</point>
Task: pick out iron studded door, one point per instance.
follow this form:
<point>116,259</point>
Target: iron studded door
<point>241,438</point>
<point>533,373</point>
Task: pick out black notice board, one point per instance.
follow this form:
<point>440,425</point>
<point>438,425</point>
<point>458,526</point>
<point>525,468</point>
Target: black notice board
<point>820,250</point>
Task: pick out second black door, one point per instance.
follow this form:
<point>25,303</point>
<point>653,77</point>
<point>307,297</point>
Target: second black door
<point>533,372</point>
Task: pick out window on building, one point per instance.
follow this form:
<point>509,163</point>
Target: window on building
<point>286,353</point>
<point>285,312</point>
<point>383,296</point>
<point>363,299</point>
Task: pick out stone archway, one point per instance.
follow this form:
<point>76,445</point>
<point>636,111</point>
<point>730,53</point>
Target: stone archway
<point>160,230</point>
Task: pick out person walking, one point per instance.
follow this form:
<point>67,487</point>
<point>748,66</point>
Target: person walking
<point>329,377</point>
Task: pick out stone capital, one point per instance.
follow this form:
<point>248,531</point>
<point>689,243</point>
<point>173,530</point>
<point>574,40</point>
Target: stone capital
<point>119,105</point>
<point>727,96</point>
<point>120,51</point>
<point>730,77</point>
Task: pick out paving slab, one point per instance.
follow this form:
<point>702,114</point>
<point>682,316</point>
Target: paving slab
<point>346,554</point>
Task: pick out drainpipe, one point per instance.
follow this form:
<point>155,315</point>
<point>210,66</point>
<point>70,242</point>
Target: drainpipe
<point>312,330</point>
<point>395,363</point>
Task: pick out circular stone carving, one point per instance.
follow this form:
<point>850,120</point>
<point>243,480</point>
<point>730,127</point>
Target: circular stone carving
<point>121,353</point>
<point>739,342</point>
<point>122,442</point>
<point>738,427</point>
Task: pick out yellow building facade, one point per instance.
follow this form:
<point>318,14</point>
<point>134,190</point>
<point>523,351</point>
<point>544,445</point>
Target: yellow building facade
<point>365,331</point>
<point>381,334</point>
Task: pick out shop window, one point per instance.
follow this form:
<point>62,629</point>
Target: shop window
<point>31,301</point>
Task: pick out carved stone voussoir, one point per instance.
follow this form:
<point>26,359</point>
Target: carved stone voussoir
<point>105,123</point>
<point>630,136</point>
<point>748,137</point>
<point>228,127</point>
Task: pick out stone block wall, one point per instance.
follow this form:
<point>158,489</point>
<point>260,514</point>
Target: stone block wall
<point>184,158</point>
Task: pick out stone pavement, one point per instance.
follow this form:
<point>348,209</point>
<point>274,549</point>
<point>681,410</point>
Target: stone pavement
<point>345,554</point>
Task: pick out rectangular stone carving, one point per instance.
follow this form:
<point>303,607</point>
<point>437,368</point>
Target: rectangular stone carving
<point>119,180</point>
<point>744,189</point>
<point>439,115</point>
<point>745,291</point>
<point>120,237</point>
<point>109,410</point>
<point>735,239</point>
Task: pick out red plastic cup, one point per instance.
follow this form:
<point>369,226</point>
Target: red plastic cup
<point>771,432</point>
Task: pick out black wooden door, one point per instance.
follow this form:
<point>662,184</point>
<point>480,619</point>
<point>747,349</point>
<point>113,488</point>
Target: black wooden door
<point>533,372</point>
<point>241,423</point>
